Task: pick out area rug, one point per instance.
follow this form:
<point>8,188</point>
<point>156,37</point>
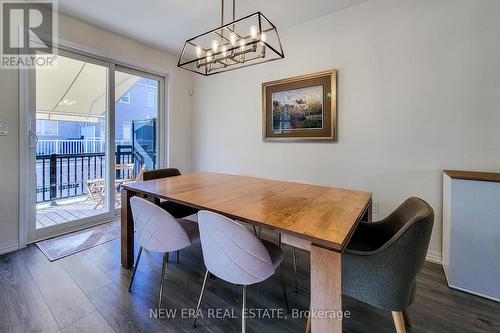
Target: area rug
<point>65,245</point>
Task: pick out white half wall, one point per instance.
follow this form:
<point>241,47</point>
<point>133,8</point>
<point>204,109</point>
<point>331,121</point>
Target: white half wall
<point>418,92</point>
<point>93,40</point>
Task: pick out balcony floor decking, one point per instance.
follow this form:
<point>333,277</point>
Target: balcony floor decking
<point>66,211</point>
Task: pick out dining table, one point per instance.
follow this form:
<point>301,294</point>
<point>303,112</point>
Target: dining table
<point>319,219</point>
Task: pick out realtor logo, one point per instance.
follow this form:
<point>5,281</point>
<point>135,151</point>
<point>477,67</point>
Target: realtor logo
<point>28,31</point>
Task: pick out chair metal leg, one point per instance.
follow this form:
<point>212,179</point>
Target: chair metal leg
<point>178,256</point>
<point>283,286</point>
<point>201,296</point>
<point>135,268</point>
<point>243,311</point>
<point>294,257</point>
<point>162,280</point>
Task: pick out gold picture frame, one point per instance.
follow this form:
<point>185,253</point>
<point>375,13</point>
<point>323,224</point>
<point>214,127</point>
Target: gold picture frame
<point>301,108</point>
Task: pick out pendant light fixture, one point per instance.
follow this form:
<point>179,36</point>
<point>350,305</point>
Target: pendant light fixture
<point>248,41</point>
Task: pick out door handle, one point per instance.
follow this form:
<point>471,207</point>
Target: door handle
<point>33,139</point>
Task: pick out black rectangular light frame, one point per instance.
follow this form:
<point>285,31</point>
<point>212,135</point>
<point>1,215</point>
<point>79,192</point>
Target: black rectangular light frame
<point>277,49</point>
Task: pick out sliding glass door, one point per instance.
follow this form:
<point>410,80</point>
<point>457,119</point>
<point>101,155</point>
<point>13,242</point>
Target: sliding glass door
<point>97,127</point>
<point>136,123</point>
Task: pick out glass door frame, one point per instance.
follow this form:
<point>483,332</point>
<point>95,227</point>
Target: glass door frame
<point>161,119</point>
<point>35,234</point>
<point>27,86</point>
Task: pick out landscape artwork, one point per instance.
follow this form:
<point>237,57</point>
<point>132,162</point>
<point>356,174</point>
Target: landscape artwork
<point>298,109</point>
<point>302,108</point>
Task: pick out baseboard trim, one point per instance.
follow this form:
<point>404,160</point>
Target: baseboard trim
<point>434,257</point>
<point>474,293</point>
<point>9,247</point>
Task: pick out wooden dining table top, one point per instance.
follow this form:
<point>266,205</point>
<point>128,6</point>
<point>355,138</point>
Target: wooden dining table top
<point>326,216</point>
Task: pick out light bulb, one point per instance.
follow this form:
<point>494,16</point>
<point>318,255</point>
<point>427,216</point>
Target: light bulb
<point>253,32</point>
<point>224,50</point>
<point>242,44</point>
<point>263,37</point>
<point>233,38</point>
<point>215,45</point>
<point>199,51</point>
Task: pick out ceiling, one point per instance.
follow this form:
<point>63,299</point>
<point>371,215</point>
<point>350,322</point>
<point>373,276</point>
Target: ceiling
<point>166,24</point>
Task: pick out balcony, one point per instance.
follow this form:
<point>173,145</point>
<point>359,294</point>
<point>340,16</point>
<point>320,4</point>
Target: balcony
<point>67,172</point>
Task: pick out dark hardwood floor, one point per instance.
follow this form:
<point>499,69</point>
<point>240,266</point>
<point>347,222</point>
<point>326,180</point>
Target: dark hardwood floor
<point>87,292</point>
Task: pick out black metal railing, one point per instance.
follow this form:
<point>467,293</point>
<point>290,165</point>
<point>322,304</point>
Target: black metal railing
<point>61,176</point>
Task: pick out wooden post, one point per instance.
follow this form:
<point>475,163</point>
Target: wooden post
<point>127,231</point>
<point>53,179</point>
<point>326,290</point>
<point>118,155</point>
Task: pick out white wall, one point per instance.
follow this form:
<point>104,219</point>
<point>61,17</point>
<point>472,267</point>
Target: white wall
<point>93,40</point>
<point>419,91</point>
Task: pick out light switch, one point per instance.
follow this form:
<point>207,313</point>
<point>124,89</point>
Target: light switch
<point>3,130</point>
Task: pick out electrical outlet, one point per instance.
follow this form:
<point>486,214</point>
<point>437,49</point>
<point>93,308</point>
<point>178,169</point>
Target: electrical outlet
<point>3,130</point>
<point>375,207</point>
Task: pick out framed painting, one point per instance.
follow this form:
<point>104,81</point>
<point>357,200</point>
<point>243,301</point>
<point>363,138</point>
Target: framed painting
<point>302,108</point>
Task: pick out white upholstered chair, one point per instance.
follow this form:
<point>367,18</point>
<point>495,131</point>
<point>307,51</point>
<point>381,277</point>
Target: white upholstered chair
<point>158,231</point>
<point>234,254</point>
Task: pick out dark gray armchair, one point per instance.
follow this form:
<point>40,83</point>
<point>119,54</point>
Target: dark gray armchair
<point>175,209</point>
<point>383,258</point>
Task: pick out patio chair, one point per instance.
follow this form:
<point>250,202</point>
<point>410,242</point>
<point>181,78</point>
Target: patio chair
<point>98,185</point>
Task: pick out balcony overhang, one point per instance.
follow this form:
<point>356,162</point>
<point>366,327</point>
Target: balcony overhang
<point>77,91</point>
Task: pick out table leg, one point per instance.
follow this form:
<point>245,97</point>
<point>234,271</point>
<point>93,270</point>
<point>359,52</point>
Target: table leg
<point>127,230</point>
<point>326,290</point>
<point>368,215</point>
